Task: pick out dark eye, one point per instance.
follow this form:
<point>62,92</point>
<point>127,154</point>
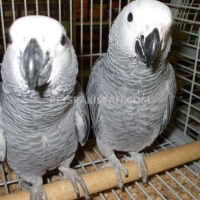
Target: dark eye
<point>130,17</point>
<point>63,40</point>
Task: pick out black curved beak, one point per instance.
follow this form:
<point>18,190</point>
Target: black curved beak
<point>148,50</point>
<point>36,66</point>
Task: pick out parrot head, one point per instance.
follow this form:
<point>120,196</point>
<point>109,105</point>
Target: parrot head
<point>41,47</point>
<point>142,30</point>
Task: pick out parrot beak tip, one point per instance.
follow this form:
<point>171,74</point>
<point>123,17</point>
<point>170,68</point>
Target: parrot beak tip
<point>148,50</point>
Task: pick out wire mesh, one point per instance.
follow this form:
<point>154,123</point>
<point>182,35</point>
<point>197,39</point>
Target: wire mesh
<point>88,26</point>
<point>185,58</point>
<point>179,183</point>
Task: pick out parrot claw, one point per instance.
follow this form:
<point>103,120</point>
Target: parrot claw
<point>117,169</point>
<point>37,191</point>
<point>78,195</point>
<point>141,165</point>
<point>74,177</point>
<point>113,161</point>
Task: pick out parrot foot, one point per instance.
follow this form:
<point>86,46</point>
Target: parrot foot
<point>113,161</point>
<point>37,191</point>
<point>141,165</point>
<point>73,176</point>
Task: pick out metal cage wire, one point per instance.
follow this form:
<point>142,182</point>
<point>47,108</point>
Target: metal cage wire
<point>179,183</point>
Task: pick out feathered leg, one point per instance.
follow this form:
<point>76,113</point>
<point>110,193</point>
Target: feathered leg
<point>112,161</point>
<point>36,190</point>
<point>73,177</point>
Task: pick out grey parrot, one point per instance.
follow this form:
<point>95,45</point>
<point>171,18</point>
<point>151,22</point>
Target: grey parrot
<point>44,111</point>
<point>132,86</point>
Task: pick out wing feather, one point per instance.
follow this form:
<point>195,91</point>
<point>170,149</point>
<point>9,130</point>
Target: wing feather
<point>82,119</point>
<point>94,91</point>
<point>171,91</point>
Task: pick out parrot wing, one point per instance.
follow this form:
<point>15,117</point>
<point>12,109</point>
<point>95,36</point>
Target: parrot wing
<point>82,120</point>
<point>93,92</point>
<point>171,90</point>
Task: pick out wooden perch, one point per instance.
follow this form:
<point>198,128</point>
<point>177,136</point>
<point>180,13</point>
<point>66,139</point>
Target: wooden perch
<point>103,179</point>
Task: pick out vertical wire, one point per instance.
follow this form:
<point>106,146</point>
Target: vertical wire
<point>91,32</point>
<point>120,6</point>
<point>81,45</point>
<point>187,12</point>
<point>192,86</point>
<point>70,20</point>
<point>194,19</point>
<point>179,16</point>
<point>100,27</point>
<point>36,7</point>
<point>48,8</point>
<point>186,17</point>
<point>3,27</point>
<point>59,10</point>
<point>110,14</point>
<point>25,8</point>
<point>198,32</point>
<point>13,9</point>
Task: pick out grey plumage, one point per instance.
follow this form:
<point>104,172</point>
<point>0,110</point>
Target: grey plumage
<point>132,87</point>
<point>2,135</point>
<point>44,109</point>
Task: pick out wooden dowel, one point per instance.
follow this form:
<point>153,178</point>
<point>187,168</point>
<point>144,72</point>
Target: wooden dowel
<point>105,178</point>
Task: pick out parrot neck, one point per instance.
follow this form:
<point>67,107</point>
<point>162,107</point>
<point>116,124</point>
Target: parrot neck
<point>133,73</point>
<point>119,61</point>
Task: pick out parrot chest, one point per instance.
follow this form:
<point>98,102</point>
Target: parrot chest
<point>39,138</point>
<point>130,118</point>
